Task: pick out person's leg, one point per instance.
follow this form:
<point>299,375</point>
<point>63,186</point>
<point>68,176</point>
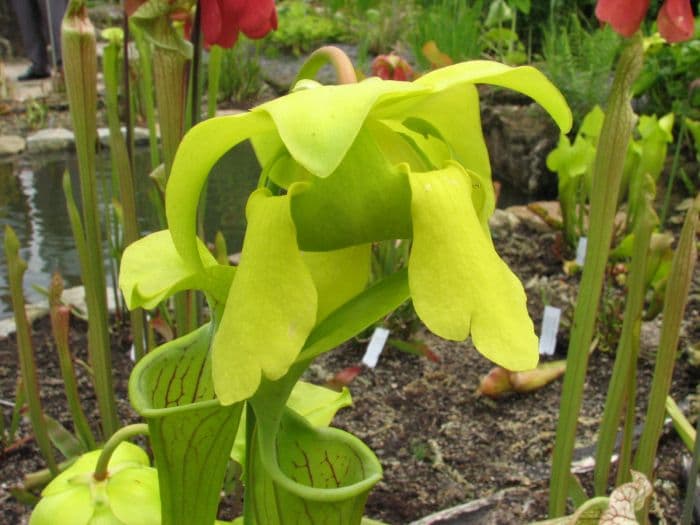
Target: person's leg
<point>52,16</point>
<point>29,20</point>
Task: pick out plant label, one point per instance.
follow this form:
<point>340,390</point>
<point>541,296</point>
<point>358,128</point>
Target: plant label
<point>581,250</point>
<point>375,347</point>
<point>550,327</point>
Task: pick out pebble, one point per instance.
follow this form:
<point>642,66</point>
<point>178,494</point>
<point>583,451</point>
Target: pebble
<point>141,136</point>
<point>11,145</point>
<point>75,297</point>
<point>48,140</point>
<point>503,221</point>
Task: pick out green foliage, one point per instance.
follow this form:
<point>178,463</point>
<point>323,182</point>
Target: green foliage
<point>381,27</point>
<point>580,62</point>
<point>36,112</point>
<point>302,27</point>
<point>454,25</point>
<point>573,163</point>
<point>668,72</point>
<point>240,77</point>
<point>501,38</point>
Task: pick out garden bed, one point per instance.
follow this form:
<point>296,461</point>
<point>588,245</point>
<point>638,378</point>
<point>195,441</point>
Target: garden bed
<point>439,443</point>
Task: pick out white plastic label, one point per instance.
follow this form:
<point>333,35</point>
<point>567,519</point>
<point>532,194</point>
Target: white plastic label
<point>375,347</point>
<point>550,327</point>
<point>581,250</point>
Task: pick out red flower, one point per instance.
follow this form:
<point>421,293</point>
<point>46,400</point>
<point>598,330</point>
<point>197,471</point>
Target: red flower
<point>222,20</point>
<point>675,20</point>
<point>391,67</point>
<point>625,16</point>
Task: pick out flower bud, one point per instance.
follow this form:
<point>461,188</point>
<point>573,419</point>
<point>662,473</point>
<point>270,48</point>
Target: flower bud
<point>129,494</point>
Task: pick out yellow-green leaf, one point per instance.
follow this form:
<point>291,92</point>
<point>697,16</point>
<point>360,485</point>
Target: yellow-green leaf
<point>152,270</point>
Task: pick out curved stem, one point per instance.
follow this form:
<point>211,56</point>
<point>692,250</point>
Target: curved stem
<point>344,70</point>
<point>113,442</point>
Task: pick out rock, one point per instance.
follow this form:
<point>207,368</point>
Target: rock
<point>228,112</point>
<point>503,221</point>
<point>141,136</point>
<point>33,312</point>
<point>48,140</point>
<point>650,336</point>
<point>11,145</point>
<point>519,138</point>
<point>75,297</point>
<point>531,219</point>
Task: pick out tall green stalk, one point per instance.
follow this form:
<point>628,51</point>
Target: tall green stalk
<point>607,175</point>
<point>16,268</point>
<point>627,348</point>
<point>689,502</point>
<point>80,70</point>
<point>675,300</point>
<point>60,318</point>
<point>170,66</point>
<point>122,166</point>
<point>146,87</point>
<point>170,56</point>
<point>213,79</point>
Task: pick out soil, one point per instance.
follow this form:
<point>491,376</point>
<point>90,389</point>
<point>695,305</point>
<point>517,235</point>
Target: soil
<point>440,444</point>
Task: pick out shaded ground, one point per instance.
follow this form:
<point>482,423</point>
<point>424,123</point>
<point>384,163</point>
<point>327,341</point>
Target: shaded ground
<point>439,444</point>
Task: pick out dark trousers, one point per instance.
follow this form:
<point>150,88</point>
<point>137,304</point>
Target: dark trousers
<point>40,26</point>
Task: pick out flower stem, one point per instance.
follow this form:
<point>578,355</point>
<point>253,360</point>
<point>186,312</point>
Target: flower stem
<point>113,442</point>
<point>214,74</point>
<point>344,70</point>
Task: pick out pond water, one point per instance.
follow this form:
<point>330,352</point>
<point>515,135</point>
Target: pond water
<point>33,204</point>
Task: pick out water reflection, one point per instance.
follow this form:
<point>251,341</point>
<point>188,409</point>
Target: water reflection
<point>32,203</point>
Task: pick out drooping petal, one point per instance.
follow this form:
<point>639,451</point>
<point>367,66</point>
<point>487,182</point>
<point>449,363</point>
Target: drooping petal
<point>230,25</point>
<point>271,306</point>
<point>191,168</point>
<point>319,125</point>
<point>625,16</point>
<point>465,137</point>
<point>338,275</point>
<point>676,22</point>
<point>525,79</point>
<point>73,505</point>
<point>458,282</point>
<point>134,496</point>
<point>455,95</point>
<point>146,278</point>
